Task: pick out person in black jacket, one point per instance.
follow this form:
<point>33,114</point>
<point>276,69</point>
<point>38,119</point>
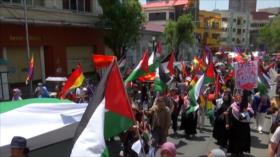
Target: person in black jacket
<point>220,133</point>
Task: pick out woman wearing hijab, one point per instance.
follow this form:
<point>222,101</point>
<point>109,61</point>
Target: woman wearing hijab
<point>220,133</point>
<point>168,149</point>
<point>238,122</point>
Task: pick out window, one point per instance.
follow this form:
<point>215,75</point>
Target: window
<point>233,29</point>
<point>157,16</point>
<point>234,20</point>
<point>243,39</point>
<point>233,39</point>
<point>224,19</point>
<point>238,41</point>
<point>239,31</point>
<point>244,21</point>
<point>77,5</point>
<point>238,21</point>
<point>28,2</point>
<point>171,16</point>
<point>243,30</point>
<point>215,36</point>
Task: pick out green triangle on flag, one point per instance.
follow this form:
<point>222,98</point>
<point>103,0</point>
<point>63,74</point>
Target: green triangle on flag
<point>106,116</point>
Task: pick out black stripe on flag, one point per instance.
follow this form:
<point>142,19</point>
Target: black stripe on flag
<point>92,105</point>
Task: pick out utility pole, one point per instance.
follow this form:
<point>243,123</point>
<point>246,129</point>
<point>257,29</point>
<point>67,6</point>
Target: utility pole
<point>27,43</point>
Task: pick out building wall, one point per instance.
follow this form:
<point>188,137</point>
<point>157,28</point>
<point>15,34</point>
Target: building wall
<point>243,5</point>
<point>54,42</point>
<point>231,36</point>
<point>255,27</point>
<point>208,30</point>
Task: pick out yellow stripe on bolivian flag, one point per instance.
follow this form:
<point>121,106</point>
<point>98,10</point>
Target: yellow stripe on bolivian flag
<point>79,81</point>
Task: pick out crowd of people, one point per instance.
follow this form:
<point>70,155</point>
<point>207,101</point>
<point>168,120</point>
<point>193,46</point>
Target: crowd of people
<point>229,110</point>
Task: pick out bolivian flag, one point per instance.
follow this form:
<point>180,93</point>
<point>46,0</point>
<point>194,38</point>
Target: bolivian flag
<point>74,81</point>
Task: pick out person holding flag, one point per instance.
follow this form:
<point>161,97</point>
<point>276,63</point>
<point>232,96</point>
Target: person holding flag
<point>75,80</point>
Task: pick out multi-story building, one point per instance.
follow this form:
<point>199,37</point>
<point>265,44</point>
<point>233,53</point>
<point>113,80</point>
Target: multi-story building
<point>275,10</point>
<point>62,33</point>
<point>235,29</point>
<point>160,12</point>
<point>243,5</point>
<point>208,30</point>
<point>257,21</point>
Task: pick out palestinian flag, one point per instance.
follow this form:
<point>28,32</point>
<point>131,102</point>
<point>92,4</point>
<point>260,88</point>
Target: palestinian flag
<point>154,61</point>
<point>102,61</point>
<point>163,78</point>
<point>141,69</point>
<point>218,85</point>
<point>42,121</point>
<point>108,115</point>
<point>183,68</point>
<point>122,63</point>
<point>74,81</point>
<point>194,95</point>
<point>230,75</point>
<point>210,73</point>
<point>30,70</point>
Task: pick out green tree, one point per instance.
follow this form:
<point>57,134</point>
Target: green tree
<point>176,33</point>
<point>125,20</point>
<point>270,35</point>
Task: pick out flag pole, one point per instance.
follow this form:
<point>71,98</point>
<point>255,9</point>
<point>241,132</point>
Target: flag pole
<point>27,43</point>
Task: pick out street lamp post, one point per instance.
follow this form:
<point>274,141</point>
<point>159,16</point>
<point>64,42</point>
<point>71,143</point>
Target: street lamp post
<point>153,40</point>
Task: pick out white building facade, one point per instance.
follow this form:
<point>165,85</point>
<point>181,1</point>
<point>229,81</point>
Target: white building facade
<point>235,29</point>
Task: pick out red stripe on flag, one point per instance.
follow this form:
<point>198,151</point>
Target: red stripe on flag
<point>148,77</point>
<point>145,61</point>
<point>71,81</point>
<point>170,66</point>
<point>102,61</point>
<point>117,103</point>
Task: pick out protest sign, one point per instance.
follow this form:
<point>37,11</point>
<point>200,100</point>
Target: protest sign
<point>246,75</point>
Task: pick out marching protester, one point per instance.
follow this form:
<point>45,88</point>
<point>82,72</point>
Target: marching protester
<point>19,147</point>
<point>176,107</point>
<point>238,123</point>
<point>16,94</point>
<point>216,153</point>
<point>274,144</point>
<point>261,103</point>
<point>220,132</point>
<point>41,91</point>
<point>168,149</point>
<point>160,121</point>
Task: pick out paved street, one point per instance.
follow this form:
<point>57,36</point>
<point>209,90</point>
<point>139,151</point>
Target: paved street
<point>200,145</point>
<point>194,147</point>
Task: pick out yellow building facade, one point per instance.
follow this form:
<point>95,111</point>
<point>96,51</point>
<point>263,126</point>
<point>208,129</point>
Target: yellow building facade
<point>208,29</point>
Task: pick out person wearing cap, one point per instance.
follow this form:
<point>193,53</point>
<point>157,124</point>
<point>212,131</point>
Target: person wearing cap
<point>18,147</point>
<point>216,153</point>
<point>168,149</point>
<point>41,91</point>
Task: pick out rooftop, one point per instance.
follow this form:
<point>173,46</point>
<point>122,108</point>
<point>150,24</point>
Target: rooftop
<point>165,3</point>
<point>260,15</point>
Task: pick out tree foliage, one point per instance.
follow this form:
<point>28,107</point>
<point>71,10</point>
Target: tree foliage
<point>125,20</point>
<point>176,33</point>
<point>270,35</point>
